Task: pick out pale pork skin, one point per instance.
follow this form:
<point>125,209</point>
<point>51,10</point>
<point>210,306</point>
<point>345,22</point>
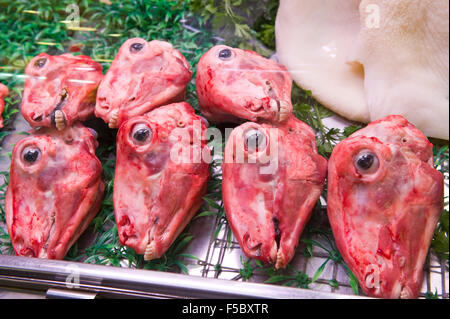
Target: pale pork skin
<point>143,76</point>
<point>384,201</point>
<point>60,90</point>
<point>155,193</point>
<point>268,202</point>
<point>54,192</point>
<point>234,85</point>
<point>3,93</point>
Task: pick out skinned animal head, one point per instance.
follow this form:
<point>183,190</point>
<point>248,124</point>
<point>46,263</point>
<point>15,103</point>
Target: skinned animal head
<point>60,90</point>
<point>55,190</point>
<point>272,179</point>
<point>160,177</point>
<point>234,84</point>
<point>384,201</point>
<point>143,75</point>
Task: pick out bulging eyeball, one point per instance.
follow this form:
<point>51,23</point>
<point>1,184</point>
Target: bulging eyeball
<point>225,54</point>
<point>31,154</point>
<point>255,140</point>
<point>141,134</point>
<point>136,47</point>
<point>39,63</point>
<point>366,162</point>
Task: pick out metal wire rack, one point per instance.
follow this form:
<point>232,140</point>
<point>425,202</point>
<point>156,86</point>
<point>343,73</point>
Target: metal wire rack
<point>223,259</point>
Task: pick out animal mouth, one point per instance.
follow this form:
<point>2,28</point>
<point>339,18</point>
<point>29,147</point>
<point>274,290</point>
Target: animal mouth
<point>280,261</point>
<point>150,251</point>
<point>276,223</point>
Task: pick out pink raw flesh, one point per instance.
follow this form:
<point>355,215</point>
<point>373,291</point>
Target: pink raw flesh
<point>384,207</point>
<point>143,75</point>
<point>235,85</point>
<point>268,203</point>
<point>62,82</point>
<point>3,93</point>
<point>156,194</point>
<point>55,190</point>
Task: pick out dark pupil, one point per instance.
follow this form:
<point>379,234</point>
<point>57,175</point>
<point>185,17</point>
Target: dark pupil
<point>135,47</point>
<point>365,161</point>
<point>40,62</point>
<point>255,140</point>
<point>225,54</point>
<point>141,135</point>
<point>31,155</point>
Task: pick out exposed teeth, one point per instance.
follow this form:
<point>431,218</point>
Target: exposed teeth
<point>59,120</point>
<point>273,253</point>
<point>284,111</point>
<point>280,108</point>
<point>273,105</point>
<point>113,121</point>
<point>281,261</point>
<point>150,252</point>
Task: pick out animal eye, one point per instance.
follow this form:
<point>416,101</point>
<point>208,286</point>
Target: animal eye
<point>141,134</point>
<point>255,140</point>
<point>136,47</point>
<point>366,162</point>
<point>225,54</point>
<point>39,63</point>
<point>31,154</point>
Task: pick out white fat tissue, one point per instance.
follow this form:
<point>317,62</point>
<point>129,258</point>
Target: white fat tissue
<point>368,59</point>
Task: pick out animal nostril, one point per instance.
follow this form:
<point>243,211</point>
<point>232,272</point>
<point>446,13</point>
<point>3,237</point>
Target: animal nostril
<point>27,252</point>
<point>255,247</point>
<point>124,221</point>
<point>37,118</point>
<point>101,101</point>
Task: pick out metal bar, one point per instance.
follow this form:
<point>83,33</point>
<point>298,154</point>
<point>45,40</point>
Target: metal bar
<point>443,279</point>
<point>54,293</point>
<point>43,274</point>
